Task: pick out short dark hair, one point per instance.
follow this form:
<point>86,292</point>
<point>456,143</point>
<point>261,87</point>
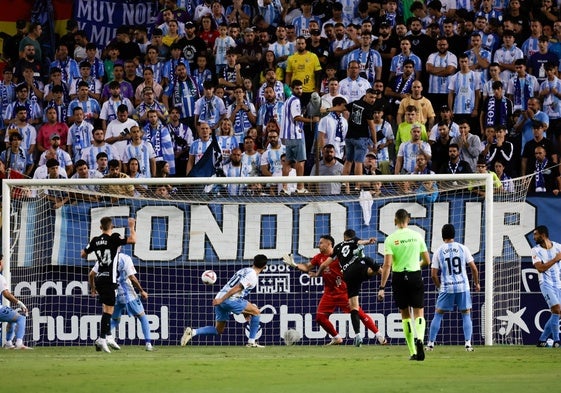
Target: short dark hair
<point>296,83</point>
<point>448,231</point>
<point>542,230</point>
<point>79,163</point>
<point>329,238</point>
<point>114,164</point>
<point>260,261</point>
<point>402,215</point>
<point>349,234</point>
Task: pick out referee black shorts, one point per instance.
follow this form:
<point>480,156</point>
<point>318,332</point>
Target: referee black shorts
<point>354,275</point>
<point>106,290</point>
<point>408,289</point>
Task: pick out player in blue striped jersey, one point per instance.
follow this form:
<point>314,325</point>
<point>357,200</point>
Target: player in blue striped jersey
<point>545,257</point>
<point>232,300</point>
<point>128,299</point>
<point>451,260</point>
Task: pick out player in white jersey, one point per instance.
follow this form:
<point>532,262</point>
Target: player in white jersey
<point>10,315</point>
<point>128,299</point>
<point>451,260</point>
<point>232,300</point>
<point>545,257</point>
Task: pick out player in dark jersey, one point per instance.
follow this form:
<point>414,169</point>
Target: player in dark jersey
<point>106,248</point>
<point>356,268</point>
<point>334,291</point>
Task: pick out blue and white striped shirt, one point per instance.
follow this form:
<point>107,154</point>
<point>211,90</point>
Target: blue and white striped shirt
<point>552,276</point>
<point>452,260</point>
<point>291,129</point>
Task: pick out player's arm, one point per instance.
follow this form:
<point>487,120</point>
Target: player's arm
<point>322,267</point>
<point>542,266</point>
<point>435,277</point>
<point>475,275</point>
<point>386,268</point>
<point>131,239</point>
<point>364,242</point>
<point>227,295</point>
<point>425,259</point>
<point>91,281</point>
<point>136,284</point>
<point>8,295</point>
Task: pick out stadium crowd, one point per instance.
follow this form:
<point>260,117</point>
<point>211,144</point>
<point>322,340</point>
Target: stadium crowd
<point>404,87</point>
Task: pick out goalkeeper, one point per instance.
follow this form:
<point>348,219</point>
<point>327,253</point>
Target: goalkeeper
<point>334,293</point>
<point>8,314</point>
<point>356,269</point>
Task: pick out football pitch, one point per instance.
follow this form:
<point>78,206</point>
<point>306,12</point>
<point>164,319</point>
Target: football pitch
<point>283,369</point>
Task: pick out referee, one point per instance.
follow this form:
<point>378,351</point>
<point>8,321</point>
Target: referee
<point>403,248</point>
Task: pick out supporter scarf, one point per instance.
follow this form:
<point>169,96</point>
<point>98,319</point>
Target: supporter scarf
<point>540,179</point>
<point>521,97</point>
<point>154,136</point>
<point>241,123</point>
<point>499,114</point>
<point>339,128</point>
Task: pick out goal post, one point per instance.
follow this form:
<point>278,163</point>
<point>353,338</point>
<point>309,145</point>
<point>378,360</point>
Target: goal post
<point>200,226</point>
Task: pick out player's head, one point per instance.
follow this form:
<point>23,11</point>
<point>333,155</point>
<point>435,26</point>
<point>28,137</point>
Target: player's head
<point>260,261</point>
<point>542,230</point>
<point>402,216</point>
<point>349,234</point>
<point>541,234</point>
<point>329,239</point>
<point>448,232</point>
<point>106,223</point>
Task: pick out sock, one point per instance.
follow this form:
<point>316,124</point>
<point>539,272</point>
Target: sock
<point>408,332</point>
<point>435,326</point>
<point>115,323</point>
<point>355,320</point>
<point>325,323</point>
<point>145,327</point>
<point>467,325</point>
<point>205,331</point>
<point>367,321</point>
<point>105,329</point>
<point>554,326</point>
<point>20,328</point>
<point>420,327</point>
<point>546,330</point>
<point>253,326</point>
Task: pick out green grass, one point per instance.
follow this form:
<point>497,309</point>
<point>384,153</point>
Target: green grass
<point>282,369</point>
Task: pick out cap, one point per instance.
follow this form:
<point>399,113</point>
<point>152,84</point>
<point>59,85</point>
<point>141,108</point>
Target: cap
<point>371,155</point>
<point>188,25</point>
<point>51,162</point>
<point>444,108</point>
<point>54,136</point>
<point>248,30</point>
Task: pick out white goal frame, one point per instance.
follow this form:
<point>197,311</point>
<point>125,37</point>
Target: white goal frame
<point>488,209</point>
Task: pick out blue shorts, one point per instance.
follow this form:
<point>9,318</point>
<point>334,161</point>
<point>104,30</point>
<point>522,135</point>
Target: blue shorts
<point>356,149</point>
<point>230,306</point>
<point>446,301</point>
<point>551,295</point>
<point>8,314</point>
<point>295,150</point>
<point>134,308</point>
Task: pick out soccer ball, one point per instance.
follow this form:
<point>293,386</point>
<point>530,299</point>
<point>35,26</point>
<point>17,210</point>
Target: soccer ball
<point>291,337</point>
<point>208,277</point>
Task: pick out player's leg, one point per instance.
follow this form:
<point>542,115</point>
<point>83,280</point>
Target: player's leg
<point>254,314</point>
<point>354,275</point>
<point>10,334</point>
<point>555,313</point>
<point>552,325</point>
<point>326,307</point>
<point>444,302</point>
<point>417,301</point>
<point>136,309</point>
<point>463,300</point>
<point>20,331</point>
<point>116,316</point>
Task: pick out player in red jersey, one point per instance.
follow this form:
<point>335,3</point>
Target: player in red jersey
<point>334,292</point>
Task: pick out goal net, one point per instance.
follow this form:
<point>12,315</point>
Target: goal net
<point>186,226</point>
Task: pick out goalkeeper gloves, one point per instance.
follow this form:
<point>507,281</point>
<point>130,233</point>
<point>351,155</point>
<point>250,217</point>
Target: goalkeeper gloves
<point>22,307</point>
<point>289,260</point>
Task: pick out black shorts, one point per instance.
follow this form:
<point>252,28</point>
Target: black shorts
<point>354,275</point>
<point>106,290</point>
<point>408,289</point>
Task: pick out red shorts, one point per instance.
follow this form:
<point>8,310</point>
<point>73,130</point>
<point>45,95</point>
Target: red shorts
<point>329,303</point>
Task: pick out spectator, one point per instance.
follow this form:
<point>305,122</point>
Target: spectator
<point>118,130</point>
<point>110,108</point>
<point>143,151</point>
<point>455,164</point>
<point>328,166</point>
<point>385,140</point>
<point>271,162</point>
<point>116,190</point>
<point>90,191</point>
<point>408,151</point>
<point>353,87</point>
<point>469,145</point>
<point>440,66</point>
<point>549,92</point>
<point>546,178</point>
<point>463,93</point>
<point>157,134</point>
<point>503,151</point>
<point>79,134</point>
<point>50,128</point>
<point>403,133</point>
<point>425,111</point>
<point>529,153</point>
<point>496,109</point>
<point>506,55</point>
<point>90,106</point>
<point>522,87</point>
<point>241,113</point>
<point>332,130</point>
